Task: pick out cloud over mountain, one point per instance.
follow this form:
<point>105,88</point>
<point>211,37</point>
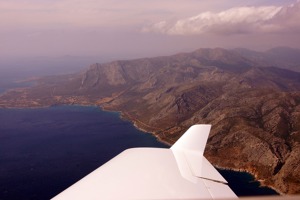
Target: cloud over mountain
<point>237,20</point>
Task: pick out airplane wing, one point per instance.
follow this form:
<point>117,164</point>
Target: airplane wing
<point>181,172</point>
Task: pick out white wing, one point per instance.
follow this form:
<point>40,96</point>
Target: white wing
<point>181,172</point>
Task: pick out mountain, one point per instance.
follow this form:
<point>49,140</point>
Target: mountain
<point>254,109</point>
<point>282,57</point>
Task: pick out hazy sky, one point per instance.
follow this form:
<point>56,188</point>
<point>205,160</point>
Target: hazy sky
<point>135,28</point>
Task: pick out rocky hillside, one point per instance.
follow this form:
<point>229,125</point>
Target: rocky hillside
<point>254,111</point>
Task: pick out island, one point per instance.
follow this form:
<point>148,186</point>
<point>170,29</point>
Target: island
<point>252,103</point>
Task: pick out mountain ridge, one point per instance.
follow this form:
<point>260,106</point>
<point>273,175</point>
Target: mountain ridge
<point>281,57</point>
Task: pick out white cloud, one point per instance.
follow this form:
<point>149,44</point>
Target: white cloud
<point>101,13</point>
<point>93,13</point>
<point>112,27</point>
<point>237,20</point>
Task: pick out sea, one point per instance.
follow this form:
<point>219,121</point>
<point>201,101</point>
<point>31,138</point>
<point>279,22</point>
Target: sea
<point>45,150</point>
<point>244,184</point>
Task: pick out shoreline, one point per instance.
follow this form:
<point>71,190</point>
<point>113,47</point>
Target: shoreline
<point>125,116</point>
<point>135,124</point>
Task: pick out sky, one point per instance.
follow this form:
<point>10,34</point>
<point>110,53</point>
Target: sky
<point>119,29</point>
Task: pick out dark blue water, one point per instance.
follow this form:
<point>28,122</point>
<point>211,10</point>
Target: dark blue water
<point>244,184</point>
<point>44,151</point>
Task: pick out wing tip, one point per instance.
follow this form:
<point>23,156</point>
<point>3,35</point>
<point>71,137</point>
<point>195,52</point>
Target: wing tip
<point>194,138</point>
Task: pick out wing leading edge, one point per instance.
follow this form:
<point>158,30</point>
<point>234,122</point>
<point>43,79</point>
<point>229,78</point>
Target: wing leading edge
<point>181,172</point>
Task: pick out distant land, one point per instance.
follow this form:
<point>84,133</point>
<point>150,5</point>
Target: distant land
<point>252,100</point>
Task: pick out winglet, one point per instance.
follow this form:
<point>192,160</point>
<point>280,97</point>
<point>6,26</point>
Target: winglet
<point>188,152</point>
<point>194,139</point>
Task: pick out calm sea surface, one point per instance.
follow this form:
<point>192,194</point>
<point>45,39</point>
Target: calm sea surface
<point>45,150</point>
<point>244,184</point>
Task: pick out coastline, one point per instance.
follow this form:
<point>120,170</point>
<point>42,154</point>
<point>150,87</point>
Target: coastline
<point>144,129</point>
<point>137,124</point>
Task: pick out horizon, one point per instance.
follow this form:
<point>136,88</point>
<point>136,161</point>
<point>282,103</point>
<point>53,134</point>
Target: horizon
<point>135,29</point>
<point>19,68</point>
<point>128,57</point>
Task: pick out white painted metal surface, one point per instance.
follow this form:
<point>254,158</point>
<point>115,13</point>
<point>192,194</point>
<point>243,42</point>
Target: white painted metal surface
<point>152,173</point>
